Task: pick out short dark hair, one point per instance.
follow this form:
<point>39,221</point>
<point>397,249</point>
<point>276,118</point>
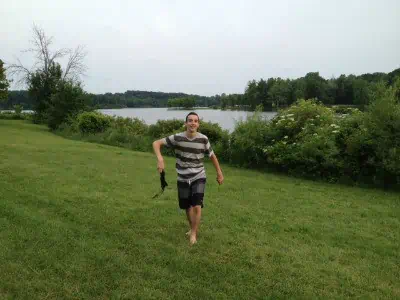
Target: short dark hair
<point>192,113</point>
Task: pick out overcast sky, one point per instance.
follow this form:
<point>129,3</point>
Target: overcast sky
<point>208,47</point>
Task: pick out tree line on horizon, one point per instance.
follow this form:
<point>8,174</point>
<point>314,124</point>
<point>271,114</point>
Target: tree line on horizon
<point>275,93</point>
<point>272,94</point>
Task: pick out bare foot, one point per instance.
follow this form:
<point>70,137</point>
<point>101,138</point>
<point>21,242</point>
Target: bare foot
<point>193,239</point>
<point>189,232</point>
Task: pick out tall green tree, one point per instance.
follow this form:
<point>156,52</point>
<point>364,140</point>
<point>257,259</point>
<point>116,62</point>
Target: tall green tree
<point>297,89</point>
<point>4,84</point>
<point>252,94</point>
<point>330,91</point>
<point>223,100</point>
<point>279,93</point>
<point>343,93</point>
<point>262,93</point>
<point>361,92</point>
<point>46,74</point>
<point>41,86</point>
<point>314,86</point>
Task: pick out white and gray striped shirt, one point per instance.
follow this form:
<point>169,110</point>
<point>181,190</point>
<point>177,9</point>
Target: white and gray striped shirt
<point>189,155</point>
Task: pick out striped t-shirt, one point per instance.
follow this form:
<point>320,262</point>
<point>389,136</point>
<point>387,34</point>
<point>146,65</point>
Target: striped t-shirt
<point>189,155</point>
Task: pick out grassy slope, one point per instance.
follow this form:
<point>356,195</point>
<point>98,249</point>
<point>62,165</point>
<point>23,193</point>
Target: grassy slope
<point>77,221</point>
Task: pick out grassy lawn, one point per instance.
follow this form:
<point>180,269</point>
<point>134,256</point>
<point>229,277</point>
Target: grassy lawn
<point>77,222</point>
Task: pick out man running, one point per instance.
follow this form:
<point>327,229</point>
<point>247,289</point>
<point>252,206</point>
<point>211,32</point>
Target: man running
<point>190,148</point>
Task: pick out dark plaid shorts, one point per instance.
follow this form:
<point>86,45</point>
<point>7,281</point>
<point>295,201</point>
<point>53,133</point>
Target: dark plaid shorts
<point>191,195</point>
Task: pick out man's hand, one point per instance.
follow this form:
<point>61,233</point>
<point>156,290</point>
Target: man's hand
<point>220,178</point>
<point>157,150</point>
<point>160,165</point>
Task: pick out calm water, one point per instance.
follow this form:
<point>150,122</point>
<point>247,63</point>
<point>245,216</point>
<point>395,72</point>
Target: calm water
<point>226,119</point>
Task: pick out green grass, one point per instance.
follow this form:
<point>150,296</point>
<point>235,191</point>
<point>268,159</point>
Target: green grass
<point>77,222</point>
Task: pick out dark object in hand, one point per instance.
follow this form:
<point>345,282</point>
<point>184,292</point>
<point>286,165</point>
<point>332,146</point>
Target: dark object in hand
<point>163,184</point>
<point>162,179</point>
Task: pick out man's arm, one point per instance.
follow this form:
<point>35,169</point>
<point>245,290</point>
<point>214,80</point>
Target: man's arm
<point>220,176</point>
<point>157,150</point>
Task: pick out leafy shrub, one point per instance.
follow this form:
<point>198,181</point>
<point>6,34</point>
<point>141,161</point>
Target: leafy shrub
<point>131,126</point>
<point>248,141</point>
<point>123,130</point>
<point>117,137</point>
<point>218,138</point>
<point>164,128</point>
<point>68,100</point>
<point>258,142</point>
<point>348,125</point>
<point>222,147</point>
<point>213,131</point>
<point>302,118</point>
<point>93,122</point>
<point>141,143</point>
<point>302,139</point>
<point>311,155</point>
<point>373,147</point>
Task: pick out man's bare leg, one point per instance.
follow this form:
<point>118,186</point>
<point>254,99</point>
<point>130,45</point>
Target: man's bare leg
<point>189,212</point>
<point>195,214</point>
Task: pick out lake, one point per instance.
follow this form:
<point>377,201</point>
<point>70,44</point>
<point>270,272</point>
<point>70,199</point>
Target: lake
<point>225,118</point>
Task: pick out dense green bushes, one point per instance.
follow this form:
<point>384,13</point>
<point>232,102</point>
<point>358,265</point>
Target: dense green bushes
<point>219,138</point>
<point>310,140</point>
<point>93,122</point>
<point>373,147</point>
<point>248,140</point>
<point>304,140</point>
<point>66,102</point>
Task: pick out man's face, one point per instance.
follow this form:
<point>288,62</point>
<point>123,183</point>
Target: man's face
<point>192,123</point>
